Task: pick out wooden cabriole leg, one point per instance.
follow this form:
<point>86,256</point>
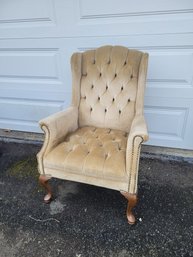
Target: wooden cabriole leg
<point>132,201</point>
<point>43,179</point>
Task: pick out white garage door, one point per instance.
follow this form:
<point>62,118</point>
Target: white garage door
<point>38,37</point>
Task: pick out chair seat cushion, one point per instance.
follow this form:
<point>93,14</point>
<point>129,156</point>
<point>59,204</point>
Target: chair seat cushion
<point>91,151</point>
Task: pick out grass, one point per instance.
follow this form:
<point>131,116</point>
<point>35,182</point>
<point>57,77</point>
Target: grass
<point>24,169</point>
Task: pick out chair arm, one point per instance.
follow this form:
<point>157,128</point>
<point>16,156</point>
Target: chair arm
<point>56,127</point>
<point>137,135</point>
<point>138,128</point>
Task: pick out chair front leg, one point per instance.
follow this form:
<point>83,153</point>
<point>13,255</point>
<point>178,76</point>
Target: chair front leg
<point>132,201</point>
<point>43,179</point>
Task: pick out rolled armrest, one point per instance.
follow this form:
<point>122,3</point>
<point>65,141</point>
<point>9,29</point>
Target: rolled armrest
<point>138,134</point>
<point>138,128</point>
<point>56,127</point>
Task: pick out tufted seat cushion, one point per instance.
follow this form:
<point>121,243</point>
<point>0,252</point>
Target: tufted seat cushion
<point>90,151</point>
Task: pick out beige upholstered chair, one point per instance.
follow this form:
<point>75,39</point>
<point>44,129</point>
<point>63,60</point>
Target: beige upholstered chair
<point>97,139</point>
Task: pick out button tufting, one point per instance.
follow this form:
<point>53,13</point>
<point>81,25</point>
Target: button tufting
<point>109,62</point>
<point>115,75</point>
<point>129,100</point>
<point>121,88</point>
<point>105,110</point>
<point>113,99</point>
<point>91,109</point>
<point>100,74</point>
<point>92,86</point>
<point>131,76</point>
<point>125,63</point>
<point>94,62</point>
<point>99,98</point>
<point>119,111</point>
<point>106,87</point>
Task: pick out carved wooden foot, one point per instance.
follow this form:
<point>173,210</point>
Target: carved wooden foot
<point>43,179</point>
<point>132,200</point>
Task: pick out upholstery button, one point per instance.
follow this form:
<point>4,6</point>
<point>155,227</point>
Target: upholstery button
<point>129,100</point>
<point>84,97</point>
<point>131,76</point>
<point>91,109</point>
<point>92,86</point>
<point>119,111</point>
<point>105,110</point>
<point>100,74</point>
<point>113,99</point>
<point>106,87</point>
<point>109,62</point>
<point>115,75</point>
<point>121,88</point>
<point>94,62</point>
<point>125,63</point>
<point>99,98</point>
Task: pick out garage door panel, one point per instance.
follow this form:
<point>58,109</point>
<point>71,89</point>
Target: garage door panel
<point>90,9</point>
<point>170,73</point>
<point>174,67</point>
<point>33,70</point>
<point>24,14</point>
<point>28,63</point>
<point>168,122</point>
<point>32,112</point>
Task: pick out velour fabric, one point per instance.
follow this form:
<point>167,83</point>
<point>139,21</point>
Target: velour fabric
<point>109,87</point>
<point>96,152</point>
<point>97,139</point>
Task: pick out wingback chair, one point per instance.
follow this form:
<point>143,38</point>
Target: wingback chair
<point>97,139</point>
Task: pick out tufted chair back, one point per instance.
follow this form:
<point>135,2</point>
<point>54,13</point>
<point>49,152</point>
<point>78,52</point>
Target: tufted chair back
<point>105,86</point>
